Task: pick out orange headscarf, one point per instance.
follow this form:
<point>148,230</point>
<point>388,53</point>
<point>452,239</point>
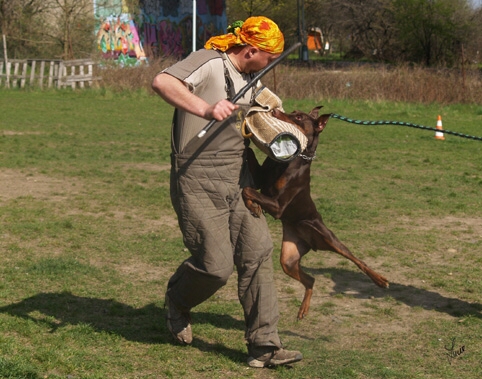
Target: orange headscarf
<point>260,32</point>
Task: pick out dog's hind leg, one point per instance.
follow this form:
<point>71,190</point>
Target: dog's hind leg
<point>292,250</point>
<point>319,237</point>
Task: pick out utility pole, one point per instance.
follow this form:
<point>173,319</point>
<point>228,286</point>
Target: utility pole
<point>7,69</point>
<point>303,54</point>
<point>194,22</point>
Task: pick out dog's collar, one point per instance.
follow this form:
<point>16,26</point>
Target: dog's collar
<point>307,158</point>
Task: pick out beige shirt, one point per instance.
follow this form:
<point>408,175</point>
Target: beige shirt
<point>203,72</point>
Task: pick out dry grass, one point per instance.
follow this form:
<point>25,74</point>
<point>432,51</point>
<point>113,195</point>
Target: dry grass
<point>119,79</point>
<point>405,84</point>
<point>315,81</point>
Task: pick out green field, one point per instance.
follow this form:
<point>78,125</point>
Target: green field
<point>88,240</point>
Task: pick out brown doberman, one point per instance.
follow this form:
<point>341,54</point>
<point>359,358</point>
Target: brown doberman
<point>285,195</point>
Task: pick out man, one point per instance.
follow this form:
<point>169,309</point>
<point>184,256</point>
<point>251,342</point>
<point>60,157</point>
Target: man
<point>207,177</point>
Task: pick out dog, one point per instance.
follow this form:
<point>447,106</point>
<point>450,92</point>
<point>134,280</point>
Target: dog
<point>285,195</point>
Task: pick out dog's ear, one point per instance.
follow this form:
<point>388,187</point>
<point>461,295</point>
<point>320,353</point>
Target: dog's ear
<point>314,111</point>
<point>322,121</point>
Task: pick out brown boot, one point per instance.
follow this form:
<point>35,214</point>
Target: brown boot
<point>178,323</point>
<point>269,356</point>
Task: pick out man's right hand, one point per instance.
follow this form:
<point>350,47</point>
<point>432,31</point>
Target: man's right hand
<point>220,111</point>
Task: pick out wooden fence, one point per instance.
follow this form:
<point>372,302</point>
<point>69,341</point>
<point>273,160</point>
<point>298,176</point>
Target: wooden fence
<point>47,73</point>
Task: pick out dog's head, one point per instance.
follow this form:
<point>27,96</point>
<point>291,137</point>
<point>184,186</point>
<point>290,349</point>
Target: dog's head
<point>310,124</point>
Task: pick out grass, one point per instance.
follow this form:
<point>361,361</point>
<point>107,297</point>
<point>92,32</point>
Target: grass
<point>89,240</point>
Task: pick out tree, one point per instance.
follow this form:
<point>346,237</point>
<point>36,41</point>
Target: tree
<point>73,27</point>
<point>21,21</point>
<point>369,25</point>
<point>431,31</point>
<point>474,44</point>
<point>48,28</point>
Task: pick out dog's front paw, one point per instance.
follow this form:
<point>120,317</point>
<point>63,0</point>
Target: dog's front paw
<point>254,208</point>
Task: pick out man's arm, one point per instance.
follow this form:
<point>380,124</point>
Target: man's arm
<point>176,93</point>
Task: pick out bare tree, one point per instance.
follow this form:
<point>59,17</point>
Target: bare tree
<point>21,21</point>
<point>72,27</point>
<point>48,28</point>
<point>369,25</point>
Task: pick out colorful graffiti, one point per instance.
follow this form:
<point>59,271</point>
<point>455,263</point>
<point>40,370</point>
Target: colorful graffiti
<point>120,39</point>
<point>162,28</point>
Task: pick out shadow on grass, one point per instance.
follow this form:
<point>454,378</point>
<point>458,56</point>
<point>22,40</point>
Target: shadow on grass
<point>359,285</point>
<point>145,325</point>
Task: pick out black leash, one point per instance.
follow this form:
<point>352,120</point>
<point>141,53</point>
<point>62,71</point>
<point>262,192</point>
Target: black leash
<point>361,122</point>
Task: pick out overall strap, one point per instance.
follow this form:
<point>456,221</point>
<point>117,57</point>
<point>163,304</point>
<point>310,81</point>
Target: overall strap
<point>229,88</point>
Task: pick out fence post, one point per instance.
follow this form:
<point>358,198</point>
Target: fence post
<point>15,74</point>
<point>62,72</point>
<point>81,73</point>
<point>41,76</point>
<point>32,73</point>
<point>72,74</point>
<point>91,73</point>
<point>23,79</point>
<point>51,74</point>
<point>8,70</point>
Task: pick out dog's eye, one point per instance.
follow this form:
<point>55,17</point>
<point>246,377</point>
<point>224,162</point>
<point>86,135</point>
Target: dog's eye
<point>299,117</point>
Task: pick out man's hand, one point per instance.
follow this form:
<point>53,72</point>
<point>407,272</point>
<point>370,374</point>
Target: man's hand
<point>220,111</point>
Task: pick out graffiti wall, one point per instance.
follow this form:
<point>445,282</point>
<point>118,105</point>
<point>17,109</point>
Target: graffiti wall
<point>160,28</point>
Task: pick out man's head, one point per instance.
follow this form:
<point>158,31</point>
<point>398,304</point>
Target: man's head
<point>259,32</point>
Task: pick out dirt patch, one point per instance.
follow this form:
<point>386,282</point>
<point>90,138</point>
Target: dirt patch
<point>17,133</point>
<point>149,167</point>
<point>471,225</point>
<point>18,184</point>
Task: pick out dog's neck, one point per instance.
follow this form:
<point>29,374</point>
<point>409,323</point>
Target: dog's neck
<point>310,152</point>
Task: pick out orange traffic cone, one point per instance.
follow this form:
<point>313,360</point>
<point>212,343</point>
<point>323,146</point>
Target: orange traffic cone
<point>439,135</point>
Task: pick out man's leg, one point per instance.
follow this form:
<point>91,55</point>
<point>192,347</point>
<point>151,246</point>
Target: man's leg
<point>203,216</point>
<point>257,290</point>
